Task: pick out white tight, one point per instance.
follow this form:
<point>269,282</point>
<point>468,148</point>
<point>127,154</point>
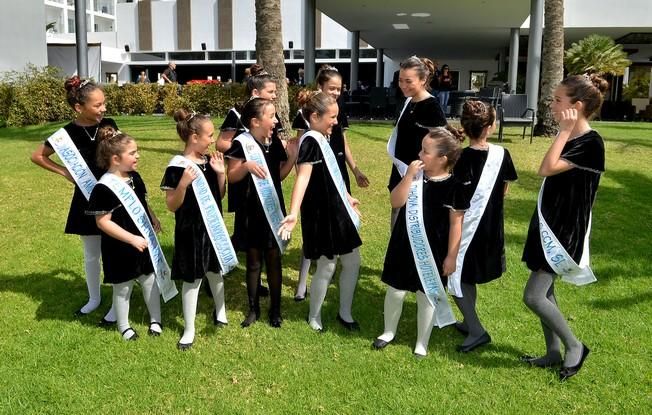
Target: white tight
<point>122,295</point>
<point>92,255</point>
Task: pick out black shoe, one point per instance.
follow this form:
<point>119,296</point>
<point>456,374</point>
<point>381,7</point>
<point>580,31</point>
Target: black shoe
<point>106,324</point>
<point>349,325</point>
<point>80,313</point>
<point>133,336</point>
<point>567,372</point>
<point>300,297</point>
<point>275,321</point>
<point>482,340</point>
<point>380,344</point>
<point>263,291</point>
<point>217,322</point>
<point>532,361</point>
<point>459,326</point>
<point>184,346</point>
<point>252,317</point>
<point>154,333</point>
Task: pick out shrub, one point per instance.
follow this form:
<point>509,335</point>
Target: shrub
<point>113,99</point>
<point>138,98</point>
<point>638,87</point>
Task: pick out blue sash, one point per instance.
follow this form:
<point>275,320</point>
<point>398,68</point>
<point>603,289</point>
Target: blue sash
<point>557,257</point>
<point>73,160</point>
<point>473,215</point>
<point>138,214</point>
<point>264,187</point>
<point>217,231</point>
<point>423,258</point>
<point>334,171</point>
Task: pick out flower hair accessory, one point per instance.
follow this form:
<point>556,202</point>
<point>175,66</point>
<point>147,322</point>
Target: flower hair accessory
<point>84,83</point>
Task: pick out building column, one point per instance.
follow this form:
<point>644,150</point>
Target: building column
<point>380,73</point>
<point>355,59</point>
<point>80,37</point>
<point>512,74</point>
<point>309,10</point>
<point>534,54</point>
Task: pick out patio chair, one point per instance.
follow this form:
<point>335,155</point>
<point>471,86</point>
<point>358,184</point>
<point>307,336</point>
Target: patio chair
<point>513,110</point>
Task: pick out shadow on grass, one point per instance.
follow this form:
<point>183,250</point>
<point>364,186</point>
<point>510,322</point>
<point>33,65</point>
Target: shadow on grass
<point>623,302</point>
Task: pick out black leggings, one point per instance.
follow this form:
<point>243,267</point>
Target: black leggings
<point>272,257</point>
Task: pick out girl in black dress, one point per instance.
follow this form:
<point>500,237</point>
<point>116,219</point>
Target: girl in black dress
<point>484,258</point>
<point>194,255</point>
<point>421,113</point>
<point>252,232</point>
<point>327,224</point>
<point>329,81</point>
<point>87,100</point>
<point>572,168</point>
<point>443,209</point>
<point>124,250</point>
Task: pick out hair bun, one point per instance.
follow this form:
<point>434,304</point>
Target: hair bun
<point>72,83</point>
<point>257,69</point>
<point>600,83</point>
<point>181,114</point>
<point>107,132</point>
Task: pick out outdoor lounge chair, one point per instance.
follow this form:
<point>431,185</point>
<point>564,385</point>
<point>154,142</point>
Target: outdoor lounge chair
<point>513,110</point>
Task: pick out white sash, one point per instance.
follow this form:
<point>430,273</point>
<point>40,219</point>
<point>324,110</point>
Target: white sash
<point>335,173</point>
<point>423,259</point>
<point>213,221</point>
<point>391,143</point>
<point>557,257</point>
<point>473,215</point>
<point>138,214</point>
<point>264,187</point>
<point>73,160</point>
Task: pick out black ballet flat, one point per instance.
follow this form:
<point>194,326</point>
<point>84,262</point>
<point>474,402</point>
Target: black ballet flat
<point>567,372</point>
<point>80,313</point>
<point>184,346</point>
<point>106,324</point>
<point>460,328</point>
<point>133,337</point>
<point>418,356</point>
<point>216,322</point>
<point>482,340</point>
<point>275,321</point>
<point>154,333</point>
<point>349,325</point>
<point>531,360</point>
<point>380,344</point>
<point>298,297</point>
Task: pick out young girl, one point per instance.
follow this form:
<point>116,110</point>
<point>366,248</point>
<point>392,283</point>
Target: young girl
<point>329,218</point>
<point>257,162</point>
<point>485,170</point>
<point>259,85</point>
<point>421,111</point>
<point>87,100</point>
<point>195,253</point>
<point>557,240</point>
<point>125,250</point>
<point>442,209</point>
<point>329,81</point>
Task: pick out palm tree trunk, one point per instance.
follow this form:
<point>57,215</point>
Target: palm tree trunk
<point>269,52</point>
<point>552,69</point>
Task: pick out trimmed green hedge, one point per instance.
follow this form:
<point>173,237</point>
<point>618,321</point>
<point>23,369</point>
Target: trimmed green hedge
<point>37,95</point>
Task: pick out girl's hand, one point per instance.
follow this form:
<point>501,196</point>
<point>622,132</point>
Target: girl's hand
<point>287,225</point>
<point>292,149</point>
<point>360,178</point>
<point>68,176</point>
<point>449,265</point>
<point>414,168</point>
<point>255,169</point>
<point>139,243</point>
<point>156,224</point>
<point>217,162</point>
<point>354,203</point>
<point>567,119</point>
<point>188,177</point>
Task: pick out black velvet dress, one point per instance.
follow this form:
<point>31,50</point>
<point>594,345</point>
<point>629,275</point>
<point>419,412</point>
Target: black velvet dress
<point>326,226</point>
<point>336,141</point>
<point>251,229</point>
<point>439,197</point>
<point>121,261</point>
<point>78,222</point>
<point>567,201</point>
<point>417,118</point>
<point>485,257</point>
<point>194,255</point>
<point>232,123</point>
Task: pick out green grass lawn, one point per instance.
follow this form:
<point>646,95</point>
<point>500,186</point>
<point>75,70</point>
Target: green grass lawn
<point>51,362</point>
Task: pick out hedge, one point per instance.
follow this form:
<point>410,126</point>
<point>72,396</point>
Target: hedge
<point>37,95</point>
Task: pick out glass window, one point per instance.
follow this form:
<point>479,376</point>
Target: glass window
<point>345,53</point>
<point>148,56</point>
<point>325,54</point>
<point>298,54</point>
<point>367,53</point>
<point>187,56</point>
<point>241,55</point>
<point>219,56</point>
<point>478,80</point>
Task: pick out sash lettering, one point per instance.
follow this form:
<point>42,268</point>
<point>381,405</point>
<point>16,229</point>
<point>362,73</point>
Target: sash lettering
<point>73,160</point>
<point>138,214</point>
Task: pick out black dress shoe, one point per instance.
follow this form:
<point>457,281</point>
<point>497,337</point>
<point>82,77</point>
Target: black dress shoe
<point>567,372</point>
<point>482,340</point>
<point>275,321</point>
<point>106,324</point>
<point>217,322</point>
<point>380,344</point>
<point>532,361</point>
<point>349,325</point>
<point>80,313</point>
<point>459,326</point>
<point>300,297</point>
<point>184,346</point>
<point>133,337</point>
<point>152,332</point>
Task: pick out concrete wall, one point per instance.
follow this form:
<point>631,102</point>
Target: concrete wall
<point>164,23</point>
<point>204,24</point>
<point>23,42</point>
<point>127,22</point>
